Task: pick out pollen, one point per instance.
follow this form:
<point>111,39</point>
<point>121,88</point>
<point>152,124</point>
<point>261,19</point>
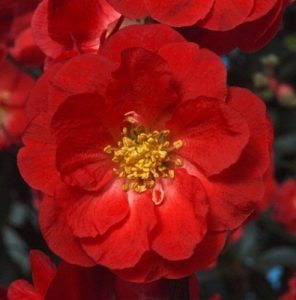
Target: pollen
<point>144,157</point>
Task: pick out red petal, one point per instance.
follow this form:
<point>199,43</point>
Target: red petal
<point>179,13</point>
<point>81,138</point>
<point>255,158</point>
<point>152,267</point>
<point>184,199</point>
<point>261,8</point>
<point>143,80</point>
<point>213,134</point>
<point>204,257</point>
<point>38,100</point>
<point>232,199</point>
<point>138,36</point>
<point>135,9</point>
<point>249,36</point>
<point>92,75</point>
<point>22,290</point>
<point>227,14</point>
<point>77,24</point>
<point>199,71</point>
<point>40,32</point>
<point>123,246</point>
<point>58,235</point>
<point>36,161</point>
<point>92,214</point>
<point>261,31</point>
<point>43,271</point>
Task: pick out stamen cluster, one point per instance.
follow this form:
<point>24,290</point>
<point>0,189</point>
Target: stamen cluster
<point>143,157</point>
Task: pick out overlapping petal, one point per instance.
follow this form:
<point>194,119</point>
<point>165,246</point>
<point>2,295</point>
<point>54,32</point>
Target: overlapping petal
<point>92,214</point>
<point>184,198</point>
<point>213,134</point>
<point>127,242</point>
<point>71,26</point>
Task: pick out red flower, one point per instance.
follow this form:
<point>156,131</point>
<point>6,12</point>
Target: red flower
<point>145,157</point>
<point>220,25</point>
<point>285,205</point>
<point>15,31</point>
<point>67,27</point>
<point>14,88</point>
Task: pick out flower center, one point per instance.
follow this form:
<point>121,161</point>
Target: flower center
<point>143,157</point>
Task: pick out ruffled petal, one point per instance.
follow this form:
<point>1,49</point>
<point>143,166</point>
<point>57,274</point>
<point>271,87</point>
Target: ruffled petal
<point>227,14</point>
<point>22,290</point>
<point>259,32</point>
<point>213,134</point>
<point>86,73</point>
<point>59,236</point>
<point>143,81</point>
<point>36,161</point>
<point>190,66</point>
<point>261,8</point>
<point>232,199</point>
<point>250,36</point>
<point>92,214</point>
<point>79,25</point>
<point>152,267</point>
<point>123,246</point>
<point>256,156</point>
<point>184,199</point>
<point>181,12</point>
<point>139,36</point>
<point>81,138</point>
<point>39,25</point>
<point>43,271</point>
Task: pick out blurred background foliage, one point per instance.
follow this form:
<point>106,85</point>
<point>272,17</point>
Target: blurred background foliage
<point>257,265</point>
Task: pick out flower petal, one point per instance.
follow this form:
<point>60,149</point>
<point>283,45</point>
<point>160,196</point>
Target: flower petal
<point>256,156</point>
<point>43,271</point>
<point>152,267</point>
<point>135,9</point>
<point>232,199</point>
<point>36,161</point>
<point>92,214</point>
<point>179,13</point>
<point>197,77</point>
<point>227,14</point>
<point>59,236</point>
<point>22,290</point>
<point>143,80</point>
<point>138,36</point>
<point>184,199</point>
<point>79,25</point>
<point>123,246</point>
<point>81,138</point>
<point>214,135</point>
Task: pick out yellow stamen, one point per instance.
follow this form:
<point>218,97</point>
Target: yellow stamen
<point>143,157</point>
